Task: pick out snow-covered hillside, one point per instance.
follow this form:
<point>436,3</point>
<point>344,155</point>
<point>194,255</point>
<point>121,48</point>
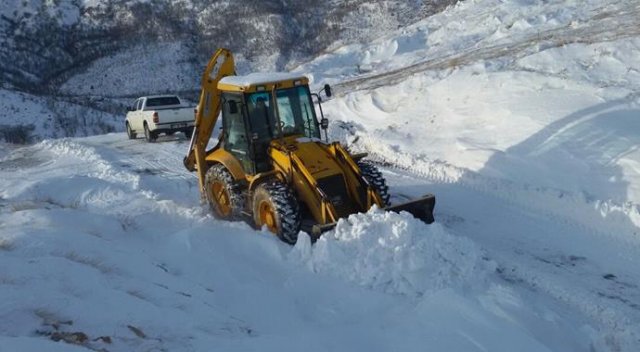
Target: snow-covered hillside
<point>102,54</point>
<point>520,116</point>
<point>27,118</point>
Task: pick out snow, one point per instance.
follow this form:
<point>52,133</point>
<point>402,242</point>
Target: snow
<point>519,116</point>
<point>395,253</point>
<point>116,240</point>
<point>260,78</point>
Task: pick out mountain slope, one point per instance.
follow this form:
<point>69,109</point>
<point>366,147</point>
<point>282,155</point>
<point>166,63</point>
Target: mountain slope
<point>100,55</point>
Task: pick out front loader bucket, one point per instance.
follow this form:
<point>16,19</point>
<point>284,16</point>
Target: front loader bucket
<point>421,208</point>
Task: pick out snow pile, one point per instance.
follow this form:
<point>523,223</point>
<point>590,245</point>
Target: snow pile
<point>395,253</point>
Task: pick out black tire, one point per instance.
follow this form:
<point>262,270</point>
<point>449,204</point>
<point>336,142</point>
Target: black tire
<point>188,133</point>
<point>218,178</point>
<point>149,135</point>
<point>371,173</point>
<point>130,133</point>
<point>286,210</point>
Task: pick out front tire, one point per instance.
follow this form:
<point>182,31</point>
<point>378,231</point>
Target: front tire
<point>223,193</point>
<point>130,133</point>
<point>373,175</point>
<point>150,136</point>
<point>275,206</point>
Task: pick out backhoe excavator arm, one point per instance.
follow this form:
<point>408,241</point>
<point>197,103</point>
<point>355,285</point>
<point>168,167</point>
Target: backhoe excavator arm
<point>220,65</point>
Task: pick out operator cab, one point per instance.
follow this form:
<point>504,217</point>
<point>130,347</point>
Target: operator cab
<point>259,108</point>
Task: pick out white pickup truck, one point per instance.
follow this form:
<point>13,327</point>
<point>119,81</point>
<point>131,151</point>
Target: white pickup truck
<point>157,114</point>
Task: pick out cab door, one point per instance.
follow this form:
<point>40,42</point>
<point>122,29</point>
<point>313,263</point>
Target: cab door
<point>137,116</point>
<point>236,135</point>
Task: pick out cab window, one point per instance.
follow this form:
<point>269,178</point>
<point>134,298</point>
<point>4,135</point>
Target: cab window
<point>297,114</point>
<point>234,127</point>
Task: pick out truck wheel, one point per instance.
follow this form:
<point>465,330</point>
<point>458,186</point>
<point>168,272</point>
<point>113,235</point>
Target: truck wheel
<point>275,206</point>
<point>223,193</point>
<point>150,136</point>
<point>130,132</point>
<point>371,173</point>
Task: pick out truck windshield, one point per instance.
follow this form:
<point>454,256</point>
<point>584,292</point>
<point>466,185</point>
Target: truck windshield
<point>162,101</point>
<point>297,114</point>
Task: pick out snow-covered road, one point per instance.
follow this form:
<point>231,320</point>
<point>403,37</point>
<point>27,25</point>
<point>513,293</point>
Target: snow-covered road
<point>105,236</point>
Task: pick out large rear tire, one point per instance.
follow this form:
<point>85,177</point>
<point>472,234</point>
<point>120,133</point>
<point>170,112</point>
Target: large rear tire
<point>223,193</point>
<point>275,206</point>
<point>371,173</point>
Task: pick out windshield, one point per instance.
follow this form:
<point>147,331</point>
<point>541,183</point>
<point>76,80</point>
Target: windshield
<point>297,114</point>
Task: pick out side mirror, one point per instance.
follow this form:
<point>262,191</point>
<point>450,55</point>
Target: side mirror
<point>327,90</point>
<point>233,107</point>
<point>324,123</point>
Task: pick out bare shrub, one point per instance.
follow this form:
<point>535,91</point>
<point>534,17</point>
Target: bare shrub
<point>18,134</point>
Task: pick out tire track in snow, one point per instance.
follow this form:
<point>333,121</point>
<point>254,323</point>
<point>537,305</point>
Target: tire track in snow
<point>163,156</point>
<point>106,161</point>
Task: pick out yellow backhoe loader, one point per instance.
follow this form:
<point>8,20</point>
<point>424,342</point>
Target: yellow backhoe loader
<point>270,165</point>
